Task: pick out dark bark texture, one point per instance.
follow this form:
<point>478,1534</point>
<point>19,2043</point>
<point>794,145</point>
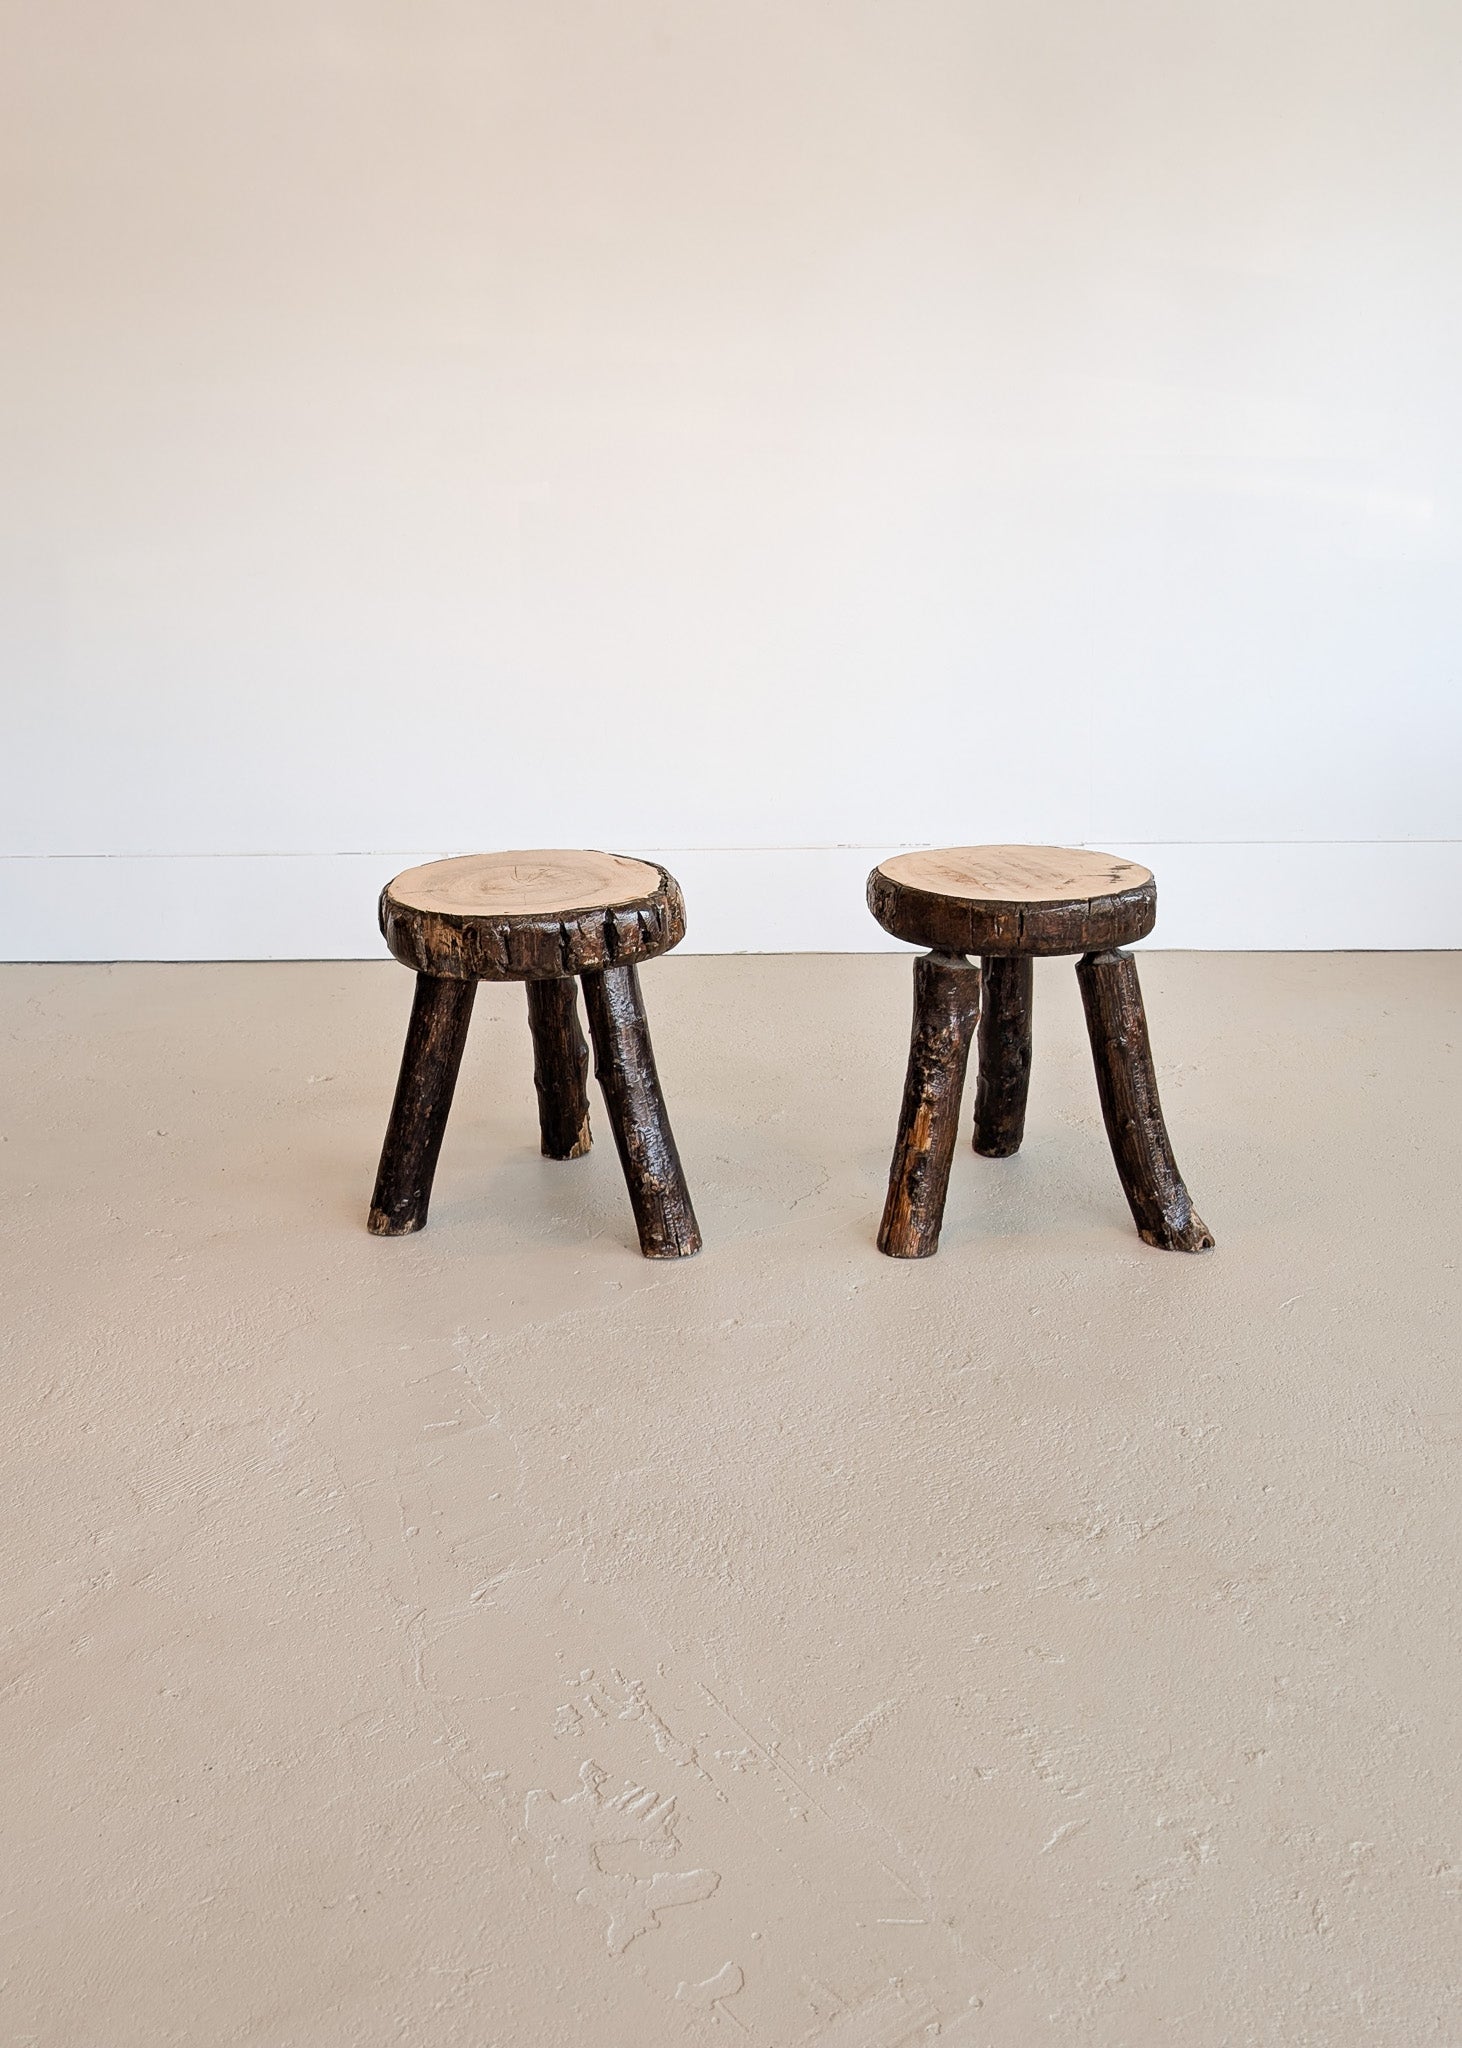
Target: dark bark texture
<point>440,1014</point>
<point>524,948</point>
<point>956,924</point>
<point>1127,1084</point>
<point>1005,1053</point>
<point>624,1065</point>
<point>946,1007</point>
<point>560,1067</point>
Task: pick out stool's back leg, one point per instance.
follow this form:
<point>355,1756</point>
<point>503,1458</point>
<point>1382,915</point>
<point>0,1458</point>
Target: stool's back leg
<point>624,1065</point>
<point>946,1006</point>
<point>1005,1053</point>
<point>560,1067</point>
<point>1117,1025</point>
<point>440,1014</point>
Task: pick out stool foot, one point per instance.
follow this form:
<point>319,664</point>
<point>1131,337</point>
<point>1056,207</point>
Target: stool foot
<point>624,1066</point>
<point>440,1014</point>
<point>1117,1025</point>
<point>560,1067</point>
<point>1005,1053</point>
<point>946,1006</point>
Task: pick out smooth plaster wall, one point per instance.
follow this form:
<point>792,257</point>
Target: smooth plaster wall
<point>760,434</point>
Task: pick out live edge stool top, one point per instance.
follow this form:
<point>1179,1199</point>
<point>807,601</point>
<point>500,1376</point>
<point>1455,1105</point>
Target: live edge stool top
<point>530,916</point>
<point>549,919</point>
<point>1014,899</point>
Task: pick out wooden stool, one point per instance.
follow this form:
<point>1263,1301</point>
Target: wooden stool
<point>1008,904</point>
<point>539,918</point>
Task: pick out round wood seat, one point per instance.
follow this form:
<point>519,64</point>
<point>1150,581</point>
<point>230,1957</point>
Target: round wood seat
<point>531,916</point>
<point>1013,899</point>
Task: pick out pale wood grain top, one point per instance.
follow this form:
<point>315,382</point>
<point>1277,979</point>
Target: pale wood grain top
<point>1015,874</point>
<point>540,883</point>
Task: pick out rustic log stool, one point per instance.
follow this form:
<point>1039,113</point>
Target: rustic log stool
<point>1008,904</point>
<point>542,919</point>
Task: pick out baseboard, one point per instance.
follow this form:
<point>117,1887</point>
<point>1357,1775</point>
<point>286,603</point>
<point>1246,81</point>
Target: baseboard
<point>1280,896</point>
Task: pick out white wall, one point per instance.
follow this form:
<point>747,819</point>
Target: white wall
<point>724,426</point>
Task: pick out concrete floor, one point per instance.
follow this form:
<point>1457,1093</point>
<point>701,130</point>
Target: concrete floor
<point>489,1638</point>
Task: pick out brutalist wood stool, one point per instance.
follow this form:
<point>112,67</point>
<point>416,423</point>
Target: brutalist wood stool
<point>542,919</point>
<point>1009,904</point>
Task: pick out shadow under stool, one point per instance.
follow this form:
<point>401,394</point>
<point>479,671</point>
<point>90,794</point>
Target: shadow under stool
<point>549,920</point>
<point>1008,905</point>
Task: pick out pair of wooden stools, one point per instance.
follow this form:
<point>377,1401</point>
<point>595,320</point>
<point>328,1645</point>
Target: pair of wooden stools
<point>547,919</point>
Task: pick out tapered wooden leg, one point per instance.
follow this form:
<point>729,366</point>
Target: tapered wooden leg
<point>946,1007</point>
<point>1117,1024</point>
<point>435,1037</point>
<point>624,1066</point>
<point>1005,1053</point>
<point>560,1067</point>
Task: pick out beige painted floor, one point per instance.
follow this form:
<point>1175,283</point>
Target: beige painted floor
<point>488,1637</point>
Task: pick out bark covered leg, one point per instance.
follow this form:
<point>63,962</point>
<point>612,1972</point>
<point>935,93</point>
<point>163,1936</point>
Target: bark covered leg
<point>1117,1024</point>
<point>946,1006</point>
<point>440,1014</point>
<point>1005,1054</point>
<point>624,1066</point>
<point>560,1067</point>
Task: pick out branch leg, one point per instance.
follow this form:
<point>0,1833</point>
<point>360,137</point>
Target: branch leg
<point>440,1014</point>
<point>1117,1025</point>
<point>946,1006</point>
<point>560,1067</point>
<point>1005,1054</point>
<point>624,1065</point>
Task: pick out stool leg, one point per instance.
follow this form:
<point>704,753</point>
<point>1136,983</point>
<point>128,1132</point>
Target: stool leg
<point>560,1067</point>
<point>435,1037</point>
<point>624,1066</point>
<point>946,1005</point>
<point>1117,1025</point>
<point>1005,1053</point>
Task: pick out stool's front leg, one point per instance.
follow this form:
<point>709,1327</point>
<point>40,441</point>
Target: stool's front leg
<point>440,1014</point>
<point>1127,1085</point>
<point>624,1065</point>
<point>1005,1054</point>
<point>946,1006</point>
<point>560,1067</point>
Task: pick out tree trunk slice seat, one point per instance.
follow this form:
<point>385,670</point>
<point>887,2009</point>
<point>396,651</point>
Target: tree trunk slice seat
<point>530,916</point>
<point>550,920</point>
<point>1008,904</point>
<point>1013,899</point>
